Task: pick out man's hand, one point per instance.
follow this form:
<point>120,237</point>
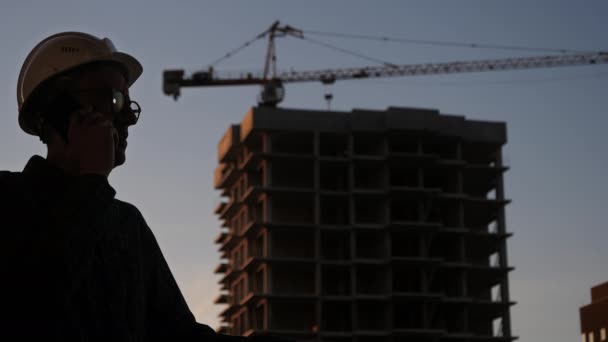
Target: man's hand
<point>92,139</point>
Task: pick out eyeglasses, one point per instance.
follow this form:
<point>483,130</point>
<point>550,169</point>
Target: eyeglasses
<point>116,102</point>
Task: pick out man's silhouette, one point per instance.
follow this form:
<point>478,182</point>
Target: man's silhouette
<point>78,264</point>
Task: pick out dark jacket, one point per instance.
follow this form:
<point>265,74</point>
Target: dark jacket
<point>80,265</point>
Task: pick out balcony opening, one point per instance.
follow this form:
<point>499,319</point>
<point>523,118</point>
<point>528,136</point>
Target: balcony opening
<point>455,319</point>
<point>370,211</point>
<point>445,149</point>
<point>407,280</point>
<point>259,246</point>
<point>293,315</point>
<point>445,180</point>
<point>293,174</point>
<point>335,245</point>
<point>449,249</point>
<point>405,210</point>
<point>449,283</point>
<point>372,315</point>
<point>293,279</point>
<point>292,143</point>
<point>371,279</point>
<point>480,153</point>
<point>403,143</point>
<point>408,315</point>
<point>337,316</point>
<point>404,176</point>
<point>336,280</point>
<point>406,245</point>
<point>334,210</point>
<point>368,144</point>
<point>260,317</point>
<point>333,176</point>
<point>447,213</point>
<point>293,244</point>
<point>333,145</point>
<point>292,208</point>
<point>369,175</point>
<point>259,281</point>
<point>370,245</point>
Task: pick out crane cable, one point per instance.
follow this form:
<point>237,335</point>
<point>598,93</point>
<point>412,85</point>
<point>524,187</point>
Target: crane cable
<point>350,52</point>
<point>442,43</point>
<point>238,49</point>
<point>389,39</point>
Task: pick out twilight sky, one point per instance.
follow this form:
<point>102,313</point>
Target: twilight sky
<point>556,119</point>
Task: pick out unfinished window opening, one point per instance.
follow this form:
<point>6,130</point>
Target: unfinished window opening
<point>333,145</point>
<point>404,176</point>
<point>455,321</point>
<point>293,315</point>
<point>334,210</point>
<point>494,260</point>
<point>259,281</point>
<point>293,173</point>
<point>370,245</point>
<point>408,315</point>
<point>292,143</point>
<point>405,210</point>
<point>336,280</point>
<point>497,328</point>
<point>335,245</point>
<point>496,293</point>
<point>406,245</point>
<point>293,279</point>
<point>372,315</point>
<point>480,214</point>
<point>259,246</point>
<point>480,183</point>
<point>448,282</point>
<point>260,317</point>
<point>333,176</point>
<point>370,210</point>
<point>292,208</point>
<point>368,144</point>
<point>447,213</point>
<point>371,279</point>
<point>480,153</point>
<point>407,279</point>
<point>447,182</point>
<point>337,316</point>
<point>369,175</point>
<point>256,212</point>
<point>403,143</point>
<point>255,176</point>
<point>293,244</point>
<point>445,149</point>
<point>239,289</point>
<point>450,249</point>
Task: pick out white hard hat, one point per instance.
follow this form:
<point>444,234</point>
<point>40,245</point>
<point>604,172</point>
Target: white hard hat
<point>59,53</point>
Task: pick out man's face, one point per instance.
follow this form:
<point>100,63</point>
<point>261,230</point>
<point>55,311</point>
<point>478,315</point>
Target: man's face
<point>95,87</point>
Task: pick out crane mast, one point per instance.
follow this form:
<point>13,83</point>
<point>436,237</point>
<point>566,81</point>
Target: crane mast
<point>272,81</point>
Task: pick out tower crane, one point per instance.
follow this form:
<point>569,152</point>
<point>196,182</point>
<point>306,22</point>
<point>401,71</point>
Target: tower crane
<point>272,81</point>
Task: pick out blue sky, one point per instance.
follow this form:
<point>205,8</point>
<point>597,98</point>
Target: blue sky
<point>556,119</point>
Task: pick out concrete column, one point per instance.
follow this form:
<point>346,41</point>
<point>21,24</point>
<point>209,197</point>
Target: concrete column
<point>501,221</point>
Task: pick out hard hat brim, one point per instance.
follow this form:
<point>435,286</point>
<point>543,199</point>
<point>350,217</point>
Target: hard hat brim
<point>132,66</point>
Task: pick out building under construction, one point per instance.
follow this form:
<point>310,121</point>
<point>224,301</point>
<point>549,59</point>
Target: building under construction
<point>363,226</point>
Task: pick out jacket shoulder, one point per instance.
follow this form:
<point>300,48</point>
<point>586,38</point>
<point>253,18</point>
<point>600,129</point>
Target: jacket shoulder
<point>10,179</point>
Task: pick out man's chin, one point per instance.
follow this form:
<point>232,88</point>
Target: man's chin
<point>119,158</point>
